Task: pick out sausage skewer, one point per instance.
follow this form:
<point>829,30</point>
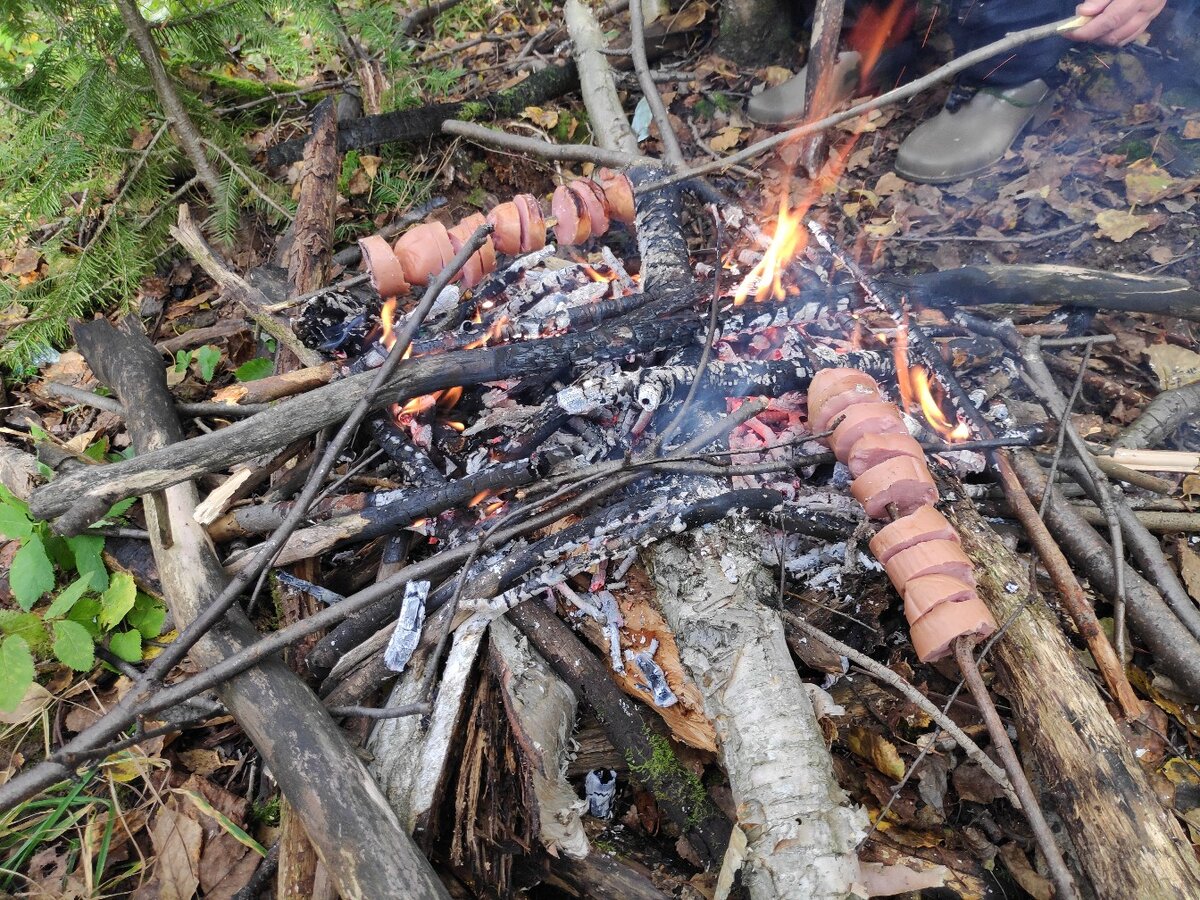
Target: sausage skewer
<point>921,553</point>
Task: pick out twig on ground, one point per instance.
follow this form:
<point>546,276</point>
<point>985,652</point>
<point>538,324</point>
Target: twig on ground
<point>671,151</point>
<point>1161,417</point>
<point>566,152</point>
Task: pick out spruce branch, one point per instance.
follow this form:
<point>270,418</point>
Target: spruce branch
<point>164,87</point>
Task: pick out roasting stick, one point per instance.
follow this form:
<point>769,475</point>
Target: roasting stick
<point>920,552</point>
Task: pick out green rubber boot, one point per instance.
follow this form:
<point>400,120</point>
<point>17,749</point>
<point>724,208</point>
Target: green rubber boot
<point>966,138</point>
<point>784,103</point>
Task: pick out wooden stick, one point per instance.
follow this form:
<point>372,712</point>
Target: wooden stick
<point>818,89</point>
<point>1157,460</point>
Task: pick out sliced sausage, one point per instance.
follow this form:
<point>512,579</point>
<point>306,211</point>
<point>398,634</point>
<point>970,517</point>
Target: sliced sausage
<point>485,256</point>
<point>923,524</point>
<point>934,633</point>
<point>507,221</point>
<point>592,196</point>
<point>828,383</point>
<point>574,225</point>
<point>872,449</point>
<point>928,591</point>
<point>423,251</point>
<point>383,267</point>
<point>618,192</point>
<point>836,405</point>
<point>471,272</point>
<point>930,558</point>
<point>863,419</point>
<point>901,480</point>
<point>533,226</point>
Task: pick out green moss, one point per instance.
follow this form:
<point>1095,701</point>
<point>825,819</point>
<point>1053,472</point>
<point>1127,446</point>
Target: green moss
<point>265,813</point>
<point>669,780</point>
<point>473,110</point>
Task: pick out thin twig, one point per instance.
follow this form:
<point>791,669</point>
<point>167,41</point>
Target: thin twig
<point>670,143</point>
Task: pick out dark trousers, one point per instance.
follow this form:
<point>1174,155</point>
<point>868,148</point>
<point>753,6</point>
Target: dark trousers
<point>973,24</point>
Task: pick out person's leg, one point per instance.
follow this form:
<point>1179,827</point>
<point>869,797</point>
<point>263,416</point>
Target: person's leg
<point>992,102</point>
<point>976,23</point>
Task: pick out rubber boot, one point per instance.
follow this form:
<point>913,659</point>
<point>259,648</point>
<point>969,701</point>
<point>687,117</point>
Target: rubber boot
<point>784,103</point>
<point>969,135</point>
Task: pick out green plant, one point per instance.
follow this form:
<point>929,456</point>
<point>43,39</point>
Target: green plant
<point>207,358</point>
<point>93,606</point>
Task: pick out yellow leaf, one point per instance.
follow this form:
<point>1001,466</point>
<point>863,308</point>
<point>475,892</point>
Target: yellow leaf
<point>1174,366</point>
<point>1147,183</point>
<point>877,750</point>
<point>774,75</point>
<point>544,118</point>
<point>1118,225</point>
<point>370,164</point>
<point>1191,486</point>
<point>725,139</point>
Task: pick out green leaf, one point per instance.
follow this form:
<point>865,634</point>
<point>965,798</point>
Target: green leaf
<point>8,498</point>
<point>65,601</point>
<point>97,450</point>
<point>147,616</point>
<point>27,625</point>
<point>117,600</point>
<point>254,369</point>
<point>14,524</point>
<point>182,358</point>
<point>119,509</point>
<point>89,559</point>
<point>207,358</point>
<point>85,613</point>
<point>73,645</point>
<point>31,574</point>
<point>16,671</point>
<point>127,645</point>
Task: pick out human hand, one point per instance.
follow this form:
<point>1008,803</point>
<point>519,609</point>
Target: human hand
<point>1115,22</point>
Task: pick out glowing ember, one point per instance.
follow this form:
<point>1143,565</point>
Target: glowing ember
<point>479,498</point>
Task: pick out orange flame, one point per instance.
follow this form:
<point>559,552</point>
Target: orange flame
<point>448,398</point>
<point>479,498</point>
<point>877,30</point>
<point>387,320</point>
<point>916,391</point>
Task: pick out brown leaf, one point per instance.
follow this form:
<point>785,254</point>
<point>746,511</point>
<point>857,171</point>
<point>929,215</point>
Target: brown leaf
<point>26,261</point>
<point>543,118</point>
<point>725,139</point>
<point>975,785</point>
<point>776,75</point>
<point>1191,130</point>
<point>370,164</point>
<point>176,840</point>
<point>1118,225</point>
<point>1147,183</point>
<point>1174,366</point>
<point>1020,869</point>
<point>1189,564</point>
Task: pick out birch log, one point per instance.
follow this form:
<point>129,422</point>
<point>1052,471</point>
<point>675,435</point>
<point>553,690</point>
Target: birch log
<point>801,830</point>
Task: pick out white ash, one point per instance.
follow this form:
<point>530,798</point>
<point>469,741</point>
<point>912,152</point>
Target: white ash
<point>841,477</point>
<point>963,462</point>
<point>656,679</point>
<point>601,790</point>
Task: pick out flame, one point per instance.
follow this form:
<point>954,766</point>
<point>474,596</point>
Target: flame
<point>767,275</point>
<point>480,497</point>
<point>448,398</point>
<point>877,30</point>
<point>916,391</point>
<point>494,333</point>
<point>387,320</point>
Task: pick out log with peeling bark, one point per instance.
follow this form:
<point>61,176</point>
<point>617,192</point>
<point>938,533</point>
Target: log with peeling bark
<point>802,831</point>
<point>354,832</point>
<point>1126,844</point>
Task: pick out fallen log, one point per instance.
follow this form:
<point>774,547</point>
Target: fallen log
<point>355,834</point>
<point>1054,285</point>
<point>1127,845</point>
<point>802,832</point>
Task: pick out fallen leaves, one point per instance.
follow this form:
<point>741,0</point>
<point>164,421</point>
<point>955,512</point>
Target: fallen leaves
<point>1118,225</point>
<point>177,841</point>
<point>1174,366</point>
<point>725,139</point>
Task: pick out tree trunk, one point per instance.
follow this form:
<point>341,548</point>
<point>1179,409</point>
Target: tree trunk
<point>757,32</point>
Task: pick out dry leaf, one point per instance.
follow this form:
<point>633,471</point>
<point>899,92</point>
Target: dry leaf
<point>889,183</point>
<point>1162,255</point>
<point>370,164</point>
<point>1024,874</point>
<point>176,840</point>
<point>877,750</point>
<point>1118,225</point>
<point>26,261</point>
<point>1147,183</point>
<point>35,700</point>
<point>360,183</point>
<point>1189,565</point>
<point>1174,366</point>
<point>776,75</point>
<point>543,118</point>
<point>725,139</point>
<point>1191,130</point>
<point>1191,486</point>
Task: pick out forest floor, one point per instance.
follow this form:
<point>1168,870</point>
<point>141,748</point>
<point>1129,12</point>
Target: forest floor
<point>1107,181</point>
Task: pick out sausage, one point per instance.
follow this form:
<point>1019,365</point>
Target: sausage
<point>862,419</point>
<point>838,404</point>
<point>424,251</point>
<point>471,272</point>
<point>872,449</point>
<point>574,225</point>
<point>934,633</point>
<point>930,558</point>
<point>901,480</point>
<point>507,221</point>
<point>829,383</point>
<point>533,226</point>
<point>486,254</point>
<point>927,591</point>
<point>618,192</point>
<point>924,524</point>
<point>383,268</point>
<point>593,201</point>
